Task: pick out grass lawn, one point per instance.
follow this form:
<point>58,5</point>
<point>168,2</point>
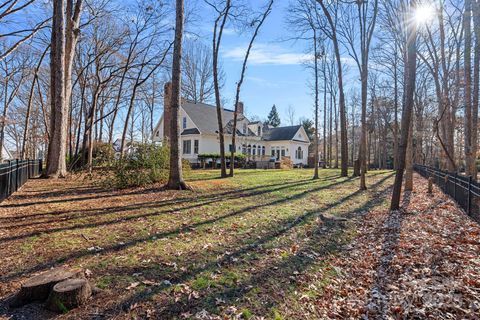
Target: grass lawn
<point>234,248</point>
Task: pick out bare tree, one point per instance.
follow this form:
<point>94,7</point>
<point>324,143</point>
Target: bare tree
<point>219,26</point>
<point>304,16</point>
<point>23,153</point>
<point>64,38</point>
<point>258,21</point>
<point>331,32</point>
<point>11,12</point>
<point>197,80</point>
<point>291,115</point>
<point>175,179</point>
<point>410,77</point>
<point>470,124</point>
<point>359,37</point>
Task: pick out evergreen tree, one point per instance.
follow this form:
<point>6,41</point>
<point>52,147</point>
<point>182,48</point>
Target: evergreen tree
<point>273,118</point>
<point>309,127</point>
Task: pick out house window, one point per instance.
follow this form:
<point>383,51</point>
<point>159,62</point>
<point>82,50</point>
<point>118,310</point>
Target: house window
<point>283,152</point>
<point>299,153</point>
<point>273,152</point>
<point>158,133</point>
<point>230,148</point>
<point>195,146</point>
<point>263,150</point>
<point>259,150</point>
<point>184,125</point>
<point>259,130</point>
<point>244,128</point>
<point>254,150</point>
<point>187,146</point>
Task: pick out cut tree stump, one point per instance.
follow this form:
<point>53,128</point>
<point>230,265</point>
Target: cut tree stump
<point>69,294</point>
<point>38,287</point>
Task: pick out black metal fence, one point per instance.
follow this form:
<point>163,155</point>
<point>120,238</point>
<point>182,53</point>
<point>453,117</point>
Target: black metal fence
<point>14,173</point>
<point>464,190</point>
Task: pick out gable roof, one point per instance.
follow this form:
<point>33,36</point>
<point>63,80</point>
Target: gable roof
<point>205,116</point>
<point>190,131</point>
<point>281,133</point>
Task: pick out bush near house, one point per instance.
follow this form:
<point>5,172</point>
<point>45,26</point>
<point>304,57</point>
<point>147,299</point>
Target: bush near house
<point>149,164</point>
<point>240,158</point>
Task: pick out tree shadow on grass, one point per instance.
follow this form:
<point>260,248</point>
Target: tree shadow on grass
<point>325,239</point>
<point>207,200</point>
<point>116,194</point>
<point>163,234</point>
<point>251,243</point>
<point>95,192</point>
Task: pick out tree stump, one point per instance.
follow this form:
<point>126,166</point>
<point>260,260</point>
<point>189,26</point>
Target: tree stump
<point>68,295</point>
<point>38,287</point>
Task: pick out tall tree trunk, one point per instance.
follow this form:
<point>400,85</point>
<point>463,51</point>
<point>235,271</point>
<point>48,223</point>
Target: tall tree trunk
<point>64,40</point>
<point>352,160</point>
<point>29,106</point>
<point>476,80</point>
<point>218,101</point>
<point>469,155</point>
<point>175,179</point>
<point>363,121</point>
<point>395,114</point>
<point>239,86</point>
<point>343,115</point>
<point>324,114</point>
<point>409,160</point>
<point>410,71</point>
<point>315,157</point>
<point>330,131</point>
<point>336,130</point>
<point>56,160</point>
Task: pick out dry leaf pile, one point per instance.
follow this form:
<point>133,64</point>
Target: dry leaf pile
<point>421,262</point>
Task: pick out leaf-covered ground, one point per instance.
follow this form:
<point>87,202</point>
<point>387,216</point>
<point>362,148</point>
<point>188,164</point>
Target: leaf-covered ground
<point>265,244</point>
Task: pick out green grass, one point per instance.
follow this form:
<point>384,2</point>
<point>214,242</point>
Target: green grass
<point>232,244</point>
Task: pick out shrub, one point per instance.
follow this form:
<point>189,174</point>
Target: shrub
<point>240,158</point>
<point>103,154</point>
<point>148,164</point>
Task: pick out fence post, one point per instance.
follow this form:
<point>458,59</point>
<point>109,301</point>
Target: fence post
<point>469,198</point>
<point>455,186</point>
<point>17,175</point>
<point>9,178</point>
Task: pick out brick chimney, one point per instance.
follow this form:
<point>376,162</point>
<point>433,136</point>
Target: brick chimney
<point>240,107</point>
<point>167,110</point>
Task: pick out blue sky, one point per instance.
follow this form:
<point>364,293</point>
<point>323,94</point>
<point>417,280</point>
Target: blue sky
<point>275,73</point>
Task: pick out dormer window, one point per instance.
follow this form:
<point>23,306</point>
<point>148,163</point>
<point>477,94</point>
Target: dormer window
<point>184,125</point>
<point>259,130</point>
<point>244,128</point>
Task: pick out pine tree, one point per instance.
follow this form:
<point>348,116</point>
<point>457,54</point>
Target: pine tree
<point>273,118</point>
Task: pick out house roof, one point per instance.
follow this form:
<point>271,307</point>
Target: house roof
<point>281,133</point>
<point>205,116</point>
<point>190,131</point>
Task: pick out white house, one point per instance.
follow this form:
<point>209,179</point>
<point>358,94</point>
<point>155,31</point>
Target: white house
<point>199,133</point>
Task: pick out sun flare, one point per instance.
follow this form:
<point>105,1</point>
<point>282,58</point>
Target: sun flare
<point>424,14</point>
